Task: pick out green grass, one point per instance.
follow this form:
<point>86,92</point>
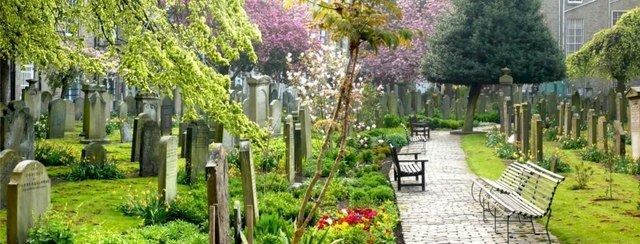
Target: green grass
<point>579,216</point>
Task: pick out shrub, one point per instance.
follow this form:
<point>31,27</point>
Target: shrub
<point>190,207</point>
<point>560,167</point>
<point>592,154</point>
<point>323,126</point>
<point>583,176</point>
<point>437,123</point>
<point>624,164</point>
<point>55,154</point>
<point>551,134</point>
<point>382,193</point>
<point>279,203</point>
<point>397,140</point>
<point>86,170</point>
<point>174,232</point>
<point>507,150</point>
<point>271,182</point>
<point>147,205</point>
<point>272,228</point>
<point>489,117</point>
<point>113,125</point>
<point>51,227</point>
<point>391,121</point>
<point>568,143</point>
<point>41,127</point>
<point>494,137</point>
<point>337,192</point>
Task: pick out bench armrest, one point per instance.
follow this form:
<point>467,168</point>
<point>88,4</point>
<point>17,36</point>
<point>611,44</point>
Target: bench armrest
<point>412,160</point>
<point>408,153</point>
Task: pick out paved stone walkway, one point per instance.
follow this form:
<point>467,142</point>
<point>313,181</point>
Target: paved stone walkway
<point>446,212</point>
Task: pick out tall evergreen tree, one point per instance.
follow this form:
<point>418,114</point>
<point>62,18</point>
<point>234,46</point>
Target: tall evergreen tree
<point>479,38</point>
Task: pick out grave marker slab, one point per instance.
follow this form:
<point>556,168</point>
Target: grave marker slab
<point>95,153</point>
<point>16,130</point>
<point>217,190</point>
<point>57,119</point>
<point>634,120</point>
<point>149,144</point>
<point>29,195</point>
<point>197,149</point>
<point>289,148</point>
<point>126,132</point>
<point>8,161</point>
<point>167,111</point>
<point>168,169</point>
<point>70,116</point>
<point>247,170</point>
<point>137,135</point>
<point>32,99</point>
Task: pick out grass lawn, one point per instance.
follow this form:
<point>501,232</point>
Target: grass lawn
<point>579,216</point>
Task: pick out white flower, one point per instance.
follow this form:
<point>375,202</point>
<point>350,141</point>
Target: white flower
<point>373,126</point>
<point>380,141</point>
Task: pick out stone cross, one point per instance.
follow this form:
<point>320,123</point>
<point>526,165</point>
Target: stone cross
<point>8,160</point>
<point>29,195</point>
<point>247,171</point>
<point>218,190</point>
<point>168,169</point>
<point>56,121</point>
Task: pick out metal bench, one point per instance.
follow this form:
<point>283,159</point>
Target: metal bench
<point>420,131</point>
<point>525,191</point>
<point>411,168</point>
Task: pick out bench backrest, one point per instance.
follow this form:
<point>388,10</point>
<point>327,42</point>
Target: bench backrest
<point>540,186</point>
<point>514,177</point>
<point>394,156</point>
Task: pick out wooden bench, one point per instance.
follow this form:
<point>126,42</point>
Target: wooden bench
<point>408,168</point>
<point>420,131</point>
<point>523,191</point>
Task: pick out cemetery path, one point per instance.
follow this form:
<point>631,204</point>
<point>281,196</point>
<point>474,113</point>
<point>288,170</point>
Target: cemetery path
<point>445,212</point>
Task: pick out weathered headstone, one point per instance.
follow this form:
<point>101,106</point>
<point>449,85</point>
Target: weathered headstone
<point>517,122</point>
<point>16,130</point>
<point>123,110</point>
<point>289,148</point>
<point>8,160</point>
<point>108,104</point>
<point>70,116</point>
<point>57,118</point>
<point>126,132</point>
<point>568,114</point>
<point>602,133</point>
<point>218,190</point>
<point>96,117</point>
<point>95,153</point>
<point>131,105</point>
<point>525,127</point>
<point>147,102</point>
<point>168,168</point>
<point>561,119</point>
<point>88,91</point>
<point>137,135</point>
<point>29,195</point>
<point>506,116</point>
<point>166,115</point>
<point>634,120</point>
<point>247,170</point>
<point>197,149</point>
<point>537,129</point>
<point>618,139</point>
<point>275,114</point>
<point>149,144</point>
<point>258,101</point>
<point>297,152</point>
<point>592,120</point>
<point>32,100</point>
<point>78,103</point>
<point>305,127</point>
<point>611,104</point>
<point>575,126</point>
<point>45,99</point>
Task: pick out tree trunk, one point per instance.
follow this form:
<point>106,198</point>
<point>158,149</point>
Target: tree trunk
<point>4,81</point>
<point>474,93</point>
<point>621,86</point>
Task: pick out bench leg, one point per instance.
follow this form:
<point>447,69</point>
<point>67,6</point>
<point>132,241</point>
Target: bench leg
<point>508,218</point>
<point>399,183</point>
<point>546,226</point>
<point>424,182</point>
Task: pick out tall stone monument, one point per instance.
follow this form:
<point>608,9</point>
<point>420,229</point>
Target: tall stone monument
<point>258,101</point>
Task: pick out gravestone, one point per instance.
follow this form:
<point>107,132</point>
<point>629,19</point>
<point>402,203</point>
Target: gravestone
<point>95,153</point>
<point>29,195</point>
<point>131,105</point>
<point>384,104</point>
<point>592,120</point>
<point>289,148</point>
<point>561,119</point>
<point>525,127</point>
<point>297,152</point>
<point>32,99</point>
<point>568,114</point>
<point>552,106</point>
<point>634,120</point>
<point>611,104</point>
<point>57,119</point>
<point>147,102</point>
<point>197,142</point>
<point>575,125</point>
<point>149,145</point>
<point>182,134</point>
<point>602,133</point>
<point>482,103</point>
<point>88,91</point>
<point>305,127</point>
<point>126,132</point>
<point>168,169</point>
<point>45,99</point>
<point>393,103</point>
<point>258,101</point>
<point>166,115</point>
<point>516,122</point>
<point>16,130</point>
<point>8,161</point>
<point>70,116</point>
<point>137,135</point>
<point>218,190</point>
<point>537,129</point>
<point>407,100</point>
<point>95,117</point>
<point>275,109</point>
<point>576,101</point>
<point>247,171</point>
<point>123,110</point>
<point>542,109</point>
<point>78,104</point>
<point>618,139</point>
<point>506,116</point>
<point>108,104</point>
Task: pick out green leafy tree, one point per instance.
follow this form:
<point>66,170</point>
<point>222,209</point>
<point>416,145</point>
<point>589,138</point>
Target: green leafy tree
<point>479,38</point>
<point>613,53</point>
<point>359,22</point>
<point>154,45</point>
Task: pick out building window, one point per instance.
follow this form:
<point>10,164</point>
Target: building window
<point>574,1</point>
<point>574,35</point>
<point>615,16</point>
<point>73,91</point>
<point>25,73</point>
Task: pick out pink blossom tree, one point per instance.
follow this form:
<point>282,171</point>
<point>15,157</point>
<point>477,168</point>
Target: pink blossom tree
<point>404,63</point>
<point>283,31</point>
